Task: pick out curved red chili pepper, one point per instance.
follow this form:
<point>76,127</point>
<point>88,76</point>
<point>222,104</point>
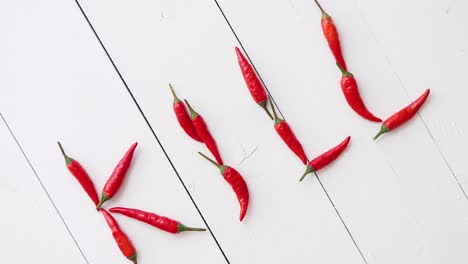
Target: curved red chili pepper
<point>81,175</point>
<point>403,115</point>
<point>183,117</point>
<point>238,185</point>
<point>161,222</point>
<point>118,175</point>
<point>331,35</point>
<point>253,82</point>
<point>204,133</point>
<point>351,93</point>
<point>120,237</point>
<point>326,158</point>
<point>287,135</point>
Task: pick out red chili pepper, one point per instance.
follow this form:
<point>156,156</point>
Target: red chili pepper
<point>81,175</point>
<point>287,135</point>
<point>120,237</point>
<point>351,92</point>
<point>183,117</point>
<point>117,176</point>
<point>238,185</point>
<point>161,222</point>
<point>403,115</point>
<point>253,82</point>
<point>325,158</point>
<point>204,133</point>
<point>331,35</point>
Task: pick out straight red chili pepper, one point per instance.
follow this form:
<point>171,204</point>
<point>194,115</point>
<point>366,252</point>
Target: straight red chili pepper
<point>202,130</point>
<point>351,92</point>
<point>115,180</point>
<point>287,135</point>
<point>325,158</point>
<point>403,115</point>
<point>253,82</point>
<point>81,175</point>
<point>161,222</point>
<point>238,185</point>
<point>183,117</point>
<point>120,237</point>
<point>331,35</point>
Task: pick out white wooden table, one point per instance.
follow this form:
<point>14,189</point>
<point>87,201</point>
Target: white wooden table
<point>95,74</point>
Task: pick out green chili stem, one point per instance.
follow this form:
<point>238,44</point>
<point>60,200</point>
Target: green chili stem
<point>277,119</point>
<point>210,160</point>
<point>176,99</point>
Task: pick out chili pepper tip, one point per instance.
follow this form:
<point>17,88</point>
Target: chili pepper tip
<point>210,160</point>
<point>264,105</point>
<point>277,119</point>
<point>383,129</point>
<point>183,228</point>
<point>193,114</point>
<point>133,258</point>
<point>343,70</point>
<point>309,169</point>
<point>104,198</point>
<point>176,99</point>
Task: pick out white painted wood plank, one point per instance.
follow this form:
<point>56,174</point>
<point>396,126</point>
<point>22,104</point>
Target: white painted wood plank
<point>188,43</point>
<point>396,193</point>
<point>57,84</point>
<point>430,51</point>
<point>32,231</point>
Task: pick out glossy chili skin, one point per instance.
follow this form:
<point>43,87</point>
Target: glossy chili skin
<point>80,175</point>
<point>287,135</point>
<point>183,117</point>
<point>326,158</point>
<point>237,183</point>
<point>353,97</point>
<point>118,175</point>
<point>331,35</point>
<point>254,84</point>
<point>160,222</point>
<point>403,115</point>
<point>120,237</point>
<point>202,130</point>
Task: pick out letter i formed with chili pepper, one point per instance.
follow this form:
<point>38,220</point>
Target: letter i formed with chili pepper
<point>325,158</point>
<point>120,237</point>
<point>351,92</point>
<point>115,180</point>
<point>160,222</point>
<point>253,82</point>
<point>403,115</point>
<point>331,35</point>
<point>183,117</point>
<point>81,175</point>
<point>287,135</point>
<point>237,184</point>
<point>205,135</point>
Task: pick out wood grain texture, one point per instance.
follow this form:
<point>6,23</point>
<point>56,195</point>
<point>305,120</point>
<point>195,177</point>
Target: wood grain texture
<point>396,189</point>
<point>63,88</point>
<point>31,228</point>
